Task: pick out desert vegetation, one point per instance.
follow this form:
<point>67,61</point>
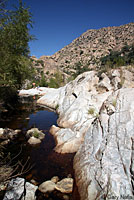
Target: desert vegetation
<point>116,59</point>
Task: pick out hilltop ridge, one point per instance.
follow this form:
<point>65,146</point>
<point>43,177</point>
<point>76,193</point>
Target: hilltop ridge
<point>88,49</point>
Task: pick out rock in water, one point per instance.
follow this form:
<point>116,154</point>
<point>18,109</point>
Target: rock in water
<point>18,189</point>
<point>47,186</point>
<point>65,185</point>
<point>35,132</point>
<point>55,179</point>
<point>34,141</point>
<point>104,164</point>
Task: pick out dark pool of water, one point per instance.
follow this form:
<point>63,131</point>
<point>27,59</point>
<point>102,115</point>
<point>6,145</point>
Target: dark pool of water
<point>43,119</point>
<point>46,162</point>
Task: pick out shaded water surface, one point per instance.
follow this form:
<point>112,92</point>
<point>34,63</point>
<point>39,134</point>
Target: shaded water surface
<point>47,163</point>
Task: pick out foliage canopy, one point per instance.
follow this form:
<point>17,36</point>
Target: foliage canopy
<point>15,65</point>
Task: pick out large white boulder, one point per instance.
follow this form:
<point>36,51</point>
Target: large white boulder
<point>104,164</point>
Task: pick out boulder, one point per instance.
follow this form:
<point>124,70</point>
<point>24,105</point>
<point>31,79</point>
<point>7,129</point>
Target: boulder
<point>18,189</point>
<point>65,185</point>
<point>47,186</point>
<point>30,192</point>
<point>104,164</point>
<point>35,132</point>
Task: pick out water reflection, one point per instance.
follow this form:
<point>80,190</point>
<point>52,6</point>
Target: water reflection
<point>43,119</point>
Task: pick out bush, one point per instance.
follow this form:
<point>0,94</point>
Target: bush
<point>116,59</point>
<point>36,134</point>
<point>79,69</point>
<point>57,106</point>
<point>57,81</point>
<point>114,102</point>
<point>91,111</point>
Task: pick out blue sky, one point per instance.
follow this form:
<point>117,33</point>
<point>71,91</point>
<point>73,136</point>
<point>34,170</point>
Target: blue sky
<point>58,22</point>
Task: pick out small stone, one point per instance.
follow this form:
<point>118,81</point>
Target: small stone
<point>1,132</point>
<point>34,182</point>
<point>55,179</point>
<point>27,118</point>
<point>65,197</point>
<point>47,186</point>
<point>69,176</point>
<point>5,142</point>
<point>17,131</point>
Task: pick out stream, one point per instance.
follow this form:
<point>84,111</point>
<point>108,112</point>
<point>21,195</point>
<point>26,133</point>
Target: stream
<point>45,161</point>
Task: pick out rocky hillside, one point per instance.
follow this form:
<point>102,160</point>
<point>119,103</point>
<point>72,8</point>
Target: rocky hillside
<point>87,49</point>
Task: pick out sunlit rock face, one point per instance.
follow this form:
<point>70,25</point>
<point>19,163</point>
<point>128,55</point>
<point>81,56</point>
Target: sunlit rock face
<point>72,103</point>
<point>78,104</point>
<point>104,164</point>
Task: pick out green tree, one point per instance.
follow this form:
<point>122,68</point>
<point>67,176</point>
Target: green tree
<point>15,65</point>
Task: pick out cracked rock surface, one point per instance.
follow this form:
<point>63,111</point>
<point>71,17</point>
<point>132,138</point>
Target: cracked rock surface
<point>104,163</point>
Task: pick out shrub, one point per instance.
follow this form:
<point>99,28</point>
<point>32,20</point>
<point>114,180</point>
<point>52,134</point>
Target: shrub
<point>57,81</point>
<point>119,58</point>
<point>43,82</point>
<point>91,111</point>
<point>114,102</point>
<point>57,106</point>
<point>36,134</point>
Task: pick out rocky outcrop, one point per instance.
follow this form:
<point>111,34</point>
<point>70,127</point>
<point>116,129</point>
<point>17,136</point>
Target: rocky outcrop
<point>104,166</point>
